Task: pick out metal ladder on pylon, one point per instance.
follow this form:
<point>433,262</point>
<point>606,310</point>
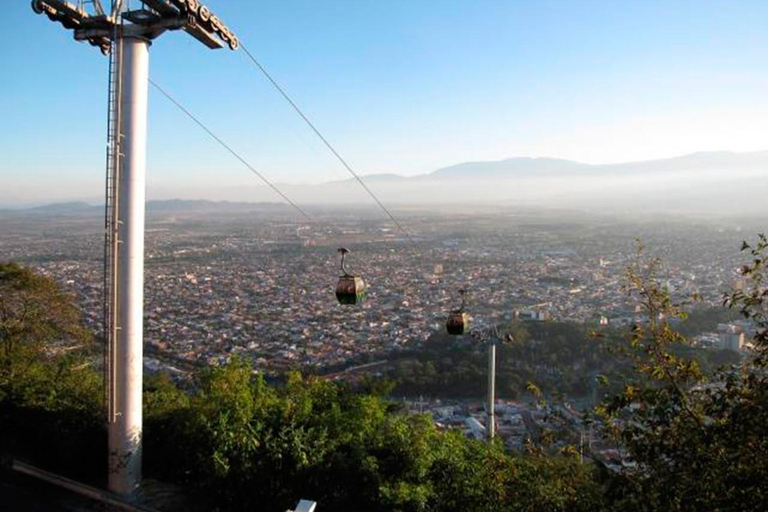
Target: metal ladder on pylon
<point>112,217</point>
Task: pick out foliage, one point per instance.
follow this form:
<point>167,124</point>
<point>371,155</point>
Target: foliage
<point>36,319</point>
<point>690,442</point>
<point>751,300</point>
<point>560,357</point>
<point>249,445</point>
<point>50,397</point>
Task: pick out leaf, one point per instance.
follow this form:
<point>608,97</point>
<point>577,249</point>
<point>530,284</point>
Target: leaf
<point>533,388</point>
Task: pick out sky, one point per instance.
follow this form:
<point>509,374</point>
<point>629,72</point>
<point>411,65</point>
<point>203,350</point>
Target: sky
<point>398,86</point>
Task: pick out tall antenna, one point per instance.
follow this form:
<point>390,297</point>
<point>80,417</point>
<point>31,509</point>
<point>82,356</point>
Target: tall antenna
<point>125,34</point>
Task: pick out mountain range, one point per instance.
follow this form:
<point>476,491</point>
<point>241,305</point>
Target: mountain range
<point>521,167</point>
<point>706,182</point>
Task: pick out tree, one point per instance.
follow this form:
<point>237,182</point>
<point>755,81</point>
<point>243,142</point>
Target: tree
<point>692,443</point>
<point>50,395</point>
<point>35,320</point>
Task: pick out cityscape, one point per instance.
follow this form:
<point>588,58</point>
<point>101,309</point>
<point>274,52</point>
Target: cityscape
<point>384,256</point>
<point>248,281</point>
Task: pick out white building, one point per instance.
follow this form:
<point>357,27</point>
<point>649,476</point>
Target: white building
<point>731,337</point>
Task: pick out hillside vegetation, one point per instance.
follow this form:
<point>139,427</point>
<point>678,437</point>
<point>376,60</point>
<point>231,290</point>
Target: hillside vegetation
<point>562,359</point>
<point>691,441</point>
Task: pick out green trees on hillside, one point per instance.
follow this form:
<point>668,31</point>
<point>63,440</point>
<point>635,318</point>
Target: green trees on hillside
<point>561,358</point>
<point>252,446</point>
<point>690,441</point>
<point>693,443</point>
<point>37,323</point>
<point>50,396</point>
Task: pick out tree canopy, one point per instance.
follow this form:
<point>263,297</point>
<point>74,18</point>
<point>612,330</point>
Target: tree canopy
<point>692,442</point>
<point>50,393</point>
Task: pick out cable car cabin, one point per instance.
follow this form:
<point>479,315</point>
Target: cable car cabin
<point>458,323</point>
<point>351,289</point>
<point>458,320</point>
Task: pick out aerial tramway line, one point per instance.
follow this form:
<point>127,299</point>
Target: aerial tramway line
<point>125,35</point>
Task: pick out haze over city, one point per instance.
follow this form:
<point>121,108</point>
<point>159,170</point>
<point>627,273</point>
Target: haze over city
<point>400,88</point>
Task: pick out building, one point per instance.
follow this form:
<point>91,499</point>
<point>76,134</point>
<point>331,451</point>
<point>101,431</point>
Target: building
<point>731,337</point>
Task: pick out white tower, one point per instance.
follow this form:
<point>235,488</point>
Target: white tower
<point>491,337</point>
<point>125,35</point>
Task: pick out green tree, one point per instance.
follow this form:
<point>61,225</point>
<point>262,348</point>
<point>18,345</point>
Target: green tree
<point>37,322</point>
<point>693,443</point>
<point>50,394</point>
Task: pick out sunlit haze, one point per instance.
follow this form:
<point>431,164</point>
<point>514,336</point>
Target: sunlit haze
<point>399,87</point>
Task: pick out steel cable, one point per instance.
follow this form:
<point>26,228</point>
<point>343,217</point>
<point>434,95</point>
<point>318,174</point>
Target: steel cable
<point>228,148</point>
<point>325,141</point>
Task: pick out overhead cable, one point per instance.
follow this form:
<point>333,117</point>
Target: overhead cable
<point>325,141</point>
<point>228,148</point>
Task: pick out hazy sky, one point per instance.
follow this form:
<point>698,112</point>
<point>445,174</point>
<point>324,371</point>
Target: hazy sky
<point>402,86</point>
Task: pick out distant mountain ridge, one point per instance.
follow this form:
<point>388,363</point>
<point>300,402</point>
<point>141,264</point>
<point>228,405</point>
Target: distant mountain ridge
<point>520,167</point>
<point>509,167</point>
<point>153,206</point>
<point>700,182</point>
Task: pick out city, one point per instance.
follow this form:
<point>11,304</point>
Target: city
<point>238,280</point>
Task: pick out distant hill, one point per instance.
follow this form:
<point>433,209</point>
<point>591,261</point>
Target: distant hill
<point>69,208</point>
<point>706,183</point>
<point>703,161</point>
<point>720,182</point>
<point>522,167</point>
<point>153,207</point>
<point>203,205</point>
<point>511,167</point>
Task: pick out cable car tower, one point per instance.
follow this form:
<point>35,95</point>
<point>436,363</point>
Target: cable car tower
<point>457,325</point>
<point>490,337</point>
<point>125,35</point>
